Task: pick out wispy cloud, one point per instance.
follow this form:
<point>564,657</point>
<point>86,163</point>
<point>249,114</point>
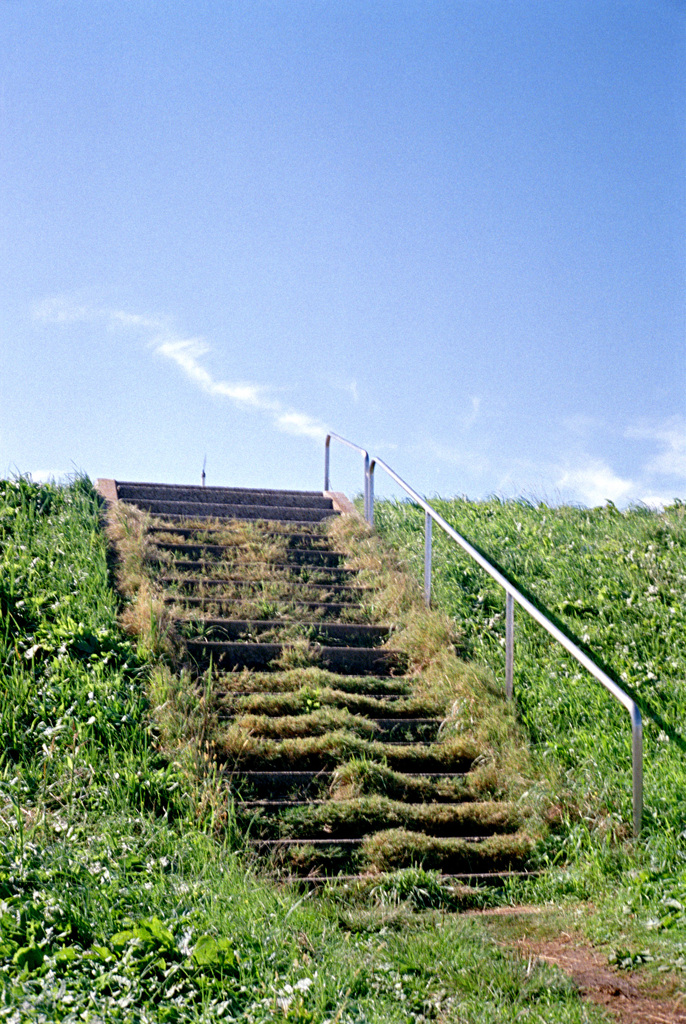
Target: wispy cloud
<point>669,437</point>
<point>596,482</point>
<point>187,353</point>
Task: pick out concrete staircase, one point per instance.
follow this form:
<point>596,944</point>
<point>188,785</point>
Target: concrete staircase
<point>338,767</point>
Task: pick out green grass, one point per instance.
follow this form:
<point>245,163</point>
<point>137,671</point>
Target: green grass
<point>126,891</point>
<point>617,582</point>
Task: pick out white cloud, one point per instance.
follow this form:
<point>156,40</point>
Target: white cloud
<point>657,501</point>
<point>300,423</point>
<point>596,482</point>
<point>187,354</point>
<point>670,437</point>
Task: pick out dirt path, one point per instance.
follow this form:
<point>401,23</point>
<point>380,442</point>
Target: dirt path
<point>623,995</point>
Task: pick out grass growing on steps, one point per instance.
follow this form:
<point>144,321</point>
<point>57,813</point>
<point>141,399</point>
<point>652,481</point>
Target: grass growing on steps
<point>376,812</point>
<point>309,677</point>
<point>473,706</point>
<point>310,698</point>
<point>239,748</point>
<point>361,777</point>
<point>117,901</point>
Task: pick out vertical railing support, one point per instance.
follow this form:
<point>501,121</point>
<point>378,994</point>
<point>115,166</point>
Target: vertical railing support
<point>509,645</point>
<point>370,492</point>
<point>637,767</point>
<point>368,515</point>
<point>427,559</point>
<point>327,454</point>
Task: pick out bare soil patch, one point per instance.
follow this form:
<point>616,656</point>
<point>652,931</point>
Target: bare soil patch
<point>622,994</point>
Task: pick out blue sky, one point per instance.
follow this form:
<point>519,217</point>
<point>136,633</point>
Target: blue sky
<point>454,232</point>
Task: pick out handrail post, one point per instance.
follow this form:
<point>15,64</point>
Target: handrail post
<point>427,559</point>
<point>366,486</point>
<point>637,767</point>
<point>370,492</point>
<point>327,455</point>
<point>509,645</point>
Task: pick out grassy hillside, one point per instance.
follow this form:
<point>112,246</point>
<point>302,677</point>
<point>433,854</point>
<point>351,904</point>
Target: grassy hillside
<point>125,893</point>
<point>617,582</point>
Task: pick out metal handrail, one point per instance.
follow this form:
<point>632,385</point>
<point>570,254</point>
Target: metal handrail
<point>368,512</point>
<point>511,595</point>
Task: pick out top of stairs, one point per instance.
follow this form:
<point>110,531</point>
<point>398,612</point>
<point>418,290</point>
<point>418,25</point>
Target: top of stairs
<point>175,501</point>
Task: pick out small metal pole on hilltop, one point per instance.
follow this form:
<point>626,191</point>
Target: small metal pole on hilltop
<point>202,477</point>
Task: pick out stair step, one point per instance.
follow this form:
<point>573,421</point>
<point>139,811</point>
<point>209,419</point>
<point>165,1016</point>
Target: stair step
<point>324,573</point>
<point>341,841</point>
<point>132,492</point>
<point>406,730</point>
<point>213,581</point>
<point>279,784</point>
<point>355,660</point>
<point>393,732</point>
<point>311,607</point>
<point>307,537</point>
<point>290,681</point>
<point>358,817</point>
<point>203,510</point>
<point>282,782</point>
<point>341,632</point>
<point>316,754</point>
<point>486,878</point>
<point>295,556</point>
<point>398,848</point>
<point>278,804</point>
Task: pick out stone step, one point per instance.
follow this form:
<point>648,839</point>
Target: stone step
<point>391,731</point>
<point>290,681</point>
<point>281,782</point>
<point>244,753</point>
<point>352,660</point>
<point>264,586</point>
<point>266,571</point>
<point>297,536</point>
<point>277,805</point>
<point>306,784</point>
<point>400,848</point>
<point>352,819</point>
<point>298,702</point>
<point>294,556</point>
<point>203,510</point>
<point>325,608</point>
<point>349,634</point>
<point>232,496</point>
<point>480,879</point>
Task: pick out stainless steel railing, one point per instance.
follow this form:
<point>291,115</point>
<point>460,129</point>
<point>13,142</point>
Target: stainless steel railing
<point>512,595</point>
